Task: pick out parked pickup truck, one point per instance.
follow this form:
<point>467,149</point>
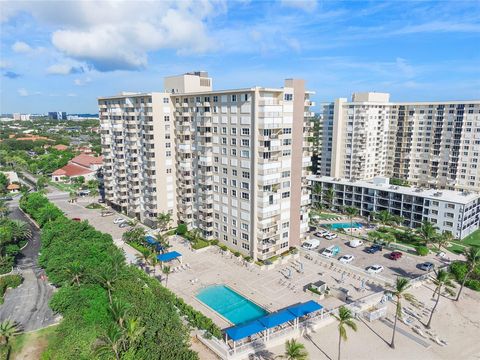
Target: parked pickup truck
<point>331,251</point>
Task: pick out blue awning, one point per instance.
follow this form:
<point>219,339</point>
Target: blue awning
<point>305,308</point>
<point>151,240</point>
<point>242,331</point>
<point>168,256</point>
<point>275,319</point>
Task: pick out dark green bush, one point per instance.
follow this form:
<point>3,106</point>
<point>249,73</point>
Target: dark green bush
<point>214,242</point>
<point>9,281</point>
<point>182,229</point>
<point>422,250</point>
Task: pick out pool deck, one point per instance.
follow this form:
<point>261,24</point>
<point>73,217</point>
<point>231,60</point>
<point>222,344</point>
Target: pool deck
<point>259,286</point>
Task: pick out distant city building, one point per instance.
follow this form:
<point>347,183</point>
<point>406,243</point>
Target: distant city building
<point>232,163</point>
<point>57,115</point>
<point>453,211</point>
<point>21,117</point>
<point>432,144</point>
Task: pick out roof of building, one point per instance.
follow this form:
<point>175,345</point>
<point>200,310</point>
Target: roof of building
<point>13,187</point>
<point>433,194</point>
<point>60,147</point>
<point>87,160</point>
<point>72,170</point>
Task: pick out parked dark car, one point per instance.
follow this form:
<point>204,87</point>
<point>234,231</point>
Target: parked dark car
<point>395,255</point>
<point>374,248</point>
<point>426,266</point>
<point>76,219</point>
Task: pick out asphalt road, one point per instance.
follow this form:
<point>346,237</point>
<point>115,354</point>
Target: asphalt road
<point>28,303</point>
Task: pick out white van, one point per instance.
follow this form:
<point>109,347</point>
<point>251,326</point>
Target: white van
<point>355,243</point>
<point>311,244</point>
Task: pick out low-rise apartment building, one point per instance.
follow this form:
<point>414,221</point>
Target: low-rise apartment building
<point>232,163</point>
<point>434,144</point>
<point>454,211</point>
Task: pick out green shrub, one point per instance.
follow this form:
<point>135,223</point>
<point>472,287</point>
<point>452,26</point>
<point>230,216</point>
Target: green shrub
<point>422,250</point>
<point>223,247</point>
<point>200,244</point>
<point>236,253</point>
<point>214,242</point>
<point>182,229</point>
<point>9,281</point>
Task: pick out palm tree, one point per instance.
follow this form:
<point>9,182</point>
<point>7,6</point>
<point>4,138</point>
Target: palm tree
<point>427,232</point>
<point>317,192</point>
<point>4,210</point>
<point>133,331</point>
<point>401,286</point>
<point>398,220</point>
<point>442,282</point>
<point>163,220</point>
<point>76,272</point>
<point>444,239</point>
<point>72,196</point>
<point>472,259</point>
<point>107,279</point>
<point>166,270</point>
<point>329,196</point>
<point>384,217</point>
<point>153,260</point>
<point>344,318</point>
<point>143,257</point>
<point>20,230</point>
<point>351,213</point>
<point>119,310</point>
<point>8,329</point>
<point>295,350</point>
<point>111,343</point>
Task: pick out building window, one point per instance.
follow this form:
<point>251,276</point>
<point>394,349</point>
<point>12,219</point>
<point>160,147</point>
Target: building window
<point>244,226</point>
<point>246,174</point>
<point>166,100</point>
<point>245,196</point>
<point>245,131</point>
<point>244,236</point>
<point>234,98</point>
<point>288,97</point>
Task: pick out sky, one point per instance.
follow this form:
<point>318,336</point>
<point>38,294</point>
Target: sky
<point>62,55</point>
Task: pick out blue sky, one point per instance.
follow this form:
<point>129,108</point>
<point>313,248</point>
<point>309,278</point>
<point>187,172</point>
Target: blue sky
<point>62,55</point>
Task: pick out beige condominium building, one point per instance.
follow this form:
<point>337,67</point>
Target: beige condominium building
<point>430,144</point>
<point>232,163</point>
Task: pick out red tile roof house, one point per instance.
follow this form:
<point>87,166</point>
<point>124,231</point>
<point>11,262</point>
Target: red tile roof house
<point>81,165</point>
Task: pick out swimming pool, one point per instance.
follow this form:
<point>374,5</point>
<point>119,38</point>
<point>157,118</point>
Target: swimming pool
<point>346,225</point>
<point>230,304</point>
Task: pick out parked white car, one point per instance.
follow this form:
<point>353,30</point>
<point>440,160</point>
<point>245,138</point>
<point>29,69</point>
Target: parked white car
<point>311,244</point>
<point>331,236</point>
<point>119,220</point>
<point>375,269</point>
<point>355,243</point>
<point>346,259</point>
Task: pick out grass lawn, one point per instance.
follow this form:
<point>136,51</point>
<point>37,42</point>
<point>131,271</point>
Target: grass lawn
<point>456,249</point>
<point>30,345</point>
<point>64,186</point>
<point>93,206</point>
<point>473,239</point>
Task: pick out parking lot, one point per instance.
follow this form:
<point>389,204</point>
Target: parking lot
<point>406,266</point>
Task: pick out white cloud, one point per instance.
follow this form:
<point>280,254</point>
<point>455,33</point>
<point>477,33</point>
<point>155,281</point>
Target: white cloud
<point>81,82</point>
<point>21,47</point>
<point>4,64</point>
<point>22,92</point>
<point>71,94</point>
<point>305,5</point>
<point>112,35</point>
<point>64,69</point>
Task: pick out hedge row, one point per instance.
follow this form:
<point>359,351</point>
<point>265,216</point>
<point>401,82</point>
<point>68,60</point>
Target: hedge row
<point>93,276</point>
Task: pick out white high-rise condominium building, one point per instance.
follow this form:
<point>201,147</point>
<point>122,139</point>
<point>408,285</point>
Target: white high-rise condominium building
<point>432,144</point>
<point>231,163</point>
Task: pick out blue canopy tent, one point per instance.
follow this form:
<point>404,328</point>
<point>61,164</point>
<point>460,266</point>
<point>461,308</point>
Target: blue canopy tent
<point>303,309</point>
<point>270,321</point>
<point>273,320</point>
<point>151,240</point>
<point>243,331</point>
<point>169,256</point>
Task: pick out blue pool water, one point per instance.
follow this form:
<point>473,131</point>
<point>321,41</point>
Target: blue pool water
<point>345,225</point>
<point>230,304</point>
